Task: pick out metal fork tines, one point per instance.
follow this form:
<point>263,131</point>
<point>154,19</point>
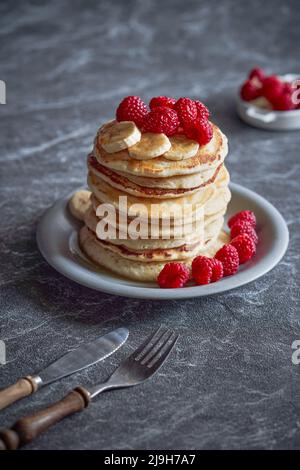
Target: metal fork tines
<point>143,362</point>
<point>155,347</point>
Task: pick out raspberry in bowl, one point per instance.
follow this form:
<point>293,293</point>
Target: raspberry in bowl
<point>270,101</point>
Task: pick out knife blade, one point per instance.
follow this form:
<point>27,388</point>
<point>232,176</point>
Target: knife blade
<point>84,356</point>
<point>74,361</point>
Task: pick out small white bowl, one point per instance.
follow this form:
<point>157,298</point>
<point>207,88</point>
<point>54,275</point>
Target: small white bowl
<point>269,119</point>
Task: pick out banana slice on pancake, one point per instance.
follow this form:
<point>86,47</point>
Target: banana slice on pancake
<point>116,136</point>
<point>181,148</point>
<point>150,146</point>
<point>79,203</point>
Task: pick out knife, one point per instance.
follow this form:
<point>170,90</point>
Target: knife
<point>78,359</point>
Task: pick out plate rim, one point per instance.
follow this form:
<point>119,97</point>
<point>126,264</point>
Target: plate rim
<point>147,292</point>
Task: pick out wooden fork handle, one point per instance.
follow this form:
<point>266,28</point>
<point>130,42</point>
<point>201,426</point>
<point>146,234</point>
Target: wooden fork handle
<point>27,429</point>
<point>21,389</point>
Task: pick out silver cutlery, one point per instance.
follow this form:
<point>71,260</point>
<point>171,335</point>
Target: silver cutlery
<point>78,359</point>
<point>140,366</point>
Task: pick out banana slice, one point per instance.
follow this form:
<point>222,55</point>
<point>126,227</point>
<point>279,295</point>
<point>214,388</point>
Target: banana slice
<point>116,136</point>
<point>150,146</point>
<point>182,148</point>
<point>261,102</point>
<point>79,203</point>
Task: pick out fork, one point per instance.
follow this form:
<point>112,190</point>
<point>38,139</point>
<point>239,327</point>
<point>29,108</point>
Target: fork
<point>140,366</point>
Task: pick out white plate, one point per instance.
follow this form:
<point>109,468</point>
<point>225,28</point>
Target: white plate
<point>268,119</point>
<point>57,241</point>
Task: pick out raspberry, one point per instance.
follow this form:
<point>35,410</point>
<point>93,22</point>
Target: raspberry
<point>202,110</point>
<point>186,110</point>
<point>249,91</point>
<point>132,108</point>
<point>242,226</point>
<point>162,101</point>
<point>217,270</point>
<point>201,131</point>
<point>247,216</point>
<point>283,102</point>
<point>202,270</point>
<point>288,88</point>
<point>173,275</point>
<point>161,120</point>
<point>272,87</point>
<point>257,73</point>
<point>229,257</point>
<point>245,247</point>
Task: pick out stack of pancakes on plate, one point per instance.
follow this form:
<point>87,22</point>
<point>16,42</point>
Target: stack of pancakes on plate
<point>167,172</point>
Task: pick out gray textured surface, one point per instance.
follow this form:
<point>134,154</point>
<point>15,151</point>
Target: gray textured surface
<point>231,382</point>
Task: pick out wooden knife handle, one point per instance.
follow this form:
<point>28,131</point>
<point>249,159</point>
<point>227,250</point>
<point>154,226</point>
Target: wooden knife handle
<point>22,388</point>
<point>27,429</point>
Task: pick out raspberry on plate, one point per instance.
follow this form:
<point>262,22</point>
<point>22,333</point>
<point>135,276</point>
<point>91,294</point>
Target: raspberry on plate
<point>287,88</point>
<point>247,216</point>
<point>132,108</point>
<point>272,87</point>
<point>162,101</point>
<point>229,257</point>
<point>242,226</point>
<point>217,270</point>
<point>245,247</point>
<point>257,74</point>
<point>202,270</point>
<point>173,275</point>
<point>283,102</point>
<point>201,131</point>
<point>202,110</point>
<point>186,110</point>
<point>161,120</point>
<point>249,91</point>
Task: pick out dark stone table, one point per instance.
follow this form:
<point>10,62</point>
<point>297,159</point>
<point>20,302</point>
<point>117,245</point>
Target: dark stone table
<point>231,382</point>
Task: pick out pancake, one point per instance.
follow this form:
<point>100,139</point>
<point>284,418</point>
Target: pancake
<point>183,215</point>
<point>146,208</point>
<point>116,217</point>
<point>141,244</point>
<point>104,193</point>
<point>209,155</point>
<point>137,229</point>
<point>142,183</point>
<point>179,253</point>
<point>155,254</point>
<point>212,226</point>
<point>135,270</point>
<point>122,182</point>
<point>121,222</point>
<point>191,182</point>
<point>219,200</point>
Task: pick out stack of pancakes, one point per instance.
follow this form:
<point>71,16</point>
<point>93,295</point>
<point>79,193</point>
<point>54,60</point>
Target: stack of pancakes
<point>200,181</point>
